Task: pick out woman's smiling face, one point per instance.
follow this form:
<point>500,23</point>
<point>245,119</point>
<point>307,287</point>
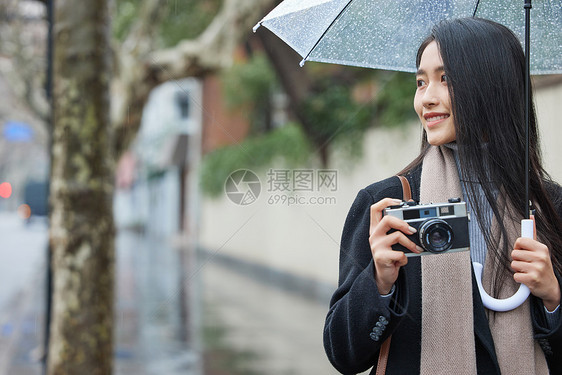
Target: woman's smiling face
<point>432,102</point>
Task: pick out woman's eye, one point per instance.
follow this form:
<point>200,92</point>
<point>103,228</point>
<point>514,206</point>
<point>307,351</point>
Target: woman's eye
<point>444,78</point>
<point>420,82</point>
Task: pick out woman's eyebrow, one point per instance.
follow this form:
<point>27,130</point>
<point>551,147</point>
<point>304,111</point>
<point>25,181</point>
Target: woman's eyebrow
<point>439,69</point>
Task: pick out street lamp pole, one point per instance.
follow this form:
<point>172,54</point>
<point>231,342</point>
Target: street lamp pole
<point>49,92</point>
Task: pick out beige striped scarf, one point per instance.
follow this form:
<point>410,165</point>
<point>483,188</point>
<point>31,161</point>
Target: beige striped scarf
<point>447,313</point>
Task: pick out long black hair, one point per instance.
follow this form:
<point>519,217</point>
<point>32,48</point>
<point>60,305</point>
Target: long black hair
<point>485,67</point>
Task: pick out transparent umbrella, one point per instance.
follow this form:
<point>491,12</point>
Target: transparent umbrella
<point>386,34</point>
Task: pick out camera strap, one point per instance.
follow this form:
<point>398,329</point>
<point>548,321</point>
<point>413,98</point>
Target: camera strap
<point>385,347</point>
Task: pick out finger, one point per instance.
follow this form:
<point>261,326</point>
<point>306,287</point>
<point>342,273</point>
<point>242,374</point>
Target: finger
<point>539,257</point>
<point>388,256</point>
<point>402,261</point>
<point>521,267</point>
<point>390,222</point>
<point>532,217</point>
<point>531,251</point>
<point>399,238</point>
<point>529,279</point>
<point>533,260</point>
<point>377,208</point>
<point>529,244</point>
<point>523,255</point>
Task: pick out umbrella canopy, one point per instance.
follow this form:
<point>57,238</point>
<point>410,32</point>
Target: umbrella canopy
<point>386,34</point>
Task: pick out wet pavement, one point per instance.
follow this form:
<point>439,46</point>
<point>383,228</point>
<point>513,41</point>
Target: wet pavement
<point>149,325</point>
<point>147,319</point>
<point>250,326</point>
<point>277,329</point>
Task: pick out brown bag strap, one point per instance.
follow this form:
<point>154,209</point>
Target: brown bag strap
<point>383,356</point>
<point>406,191</point>
<point>385,347</point>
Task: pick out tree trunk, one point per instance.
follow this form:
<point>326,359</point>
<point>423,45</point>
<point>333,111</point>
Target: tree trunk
<point>81,220</point>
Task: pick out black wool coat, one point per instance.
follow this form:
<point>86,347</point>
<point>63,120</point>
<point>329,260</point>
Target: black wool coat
<point>351,337</point>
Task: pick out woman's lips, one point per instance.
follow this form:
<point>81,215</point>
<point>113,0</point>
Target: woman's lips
<point>433,119</point>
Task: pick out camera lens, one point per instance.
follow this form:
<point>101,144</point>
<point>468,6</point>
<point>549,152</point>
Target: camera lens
<point>436,235</point>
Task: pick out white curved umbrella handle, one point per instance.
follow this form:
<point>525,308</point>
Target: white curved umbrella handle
<point>520,296</point>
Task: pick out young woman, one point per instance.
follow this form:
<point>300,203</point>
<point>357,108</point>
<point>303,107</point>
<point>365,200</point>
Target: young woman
<point>470,101</point>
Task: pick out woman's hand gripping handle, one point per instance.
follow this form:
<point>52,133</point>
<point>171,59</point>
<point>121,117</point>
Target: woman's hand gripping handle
<point>533,267</point>
<point>518,265</point>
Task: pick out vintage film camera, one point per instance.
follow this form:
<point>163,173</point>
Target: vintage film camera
<point>441,227</point>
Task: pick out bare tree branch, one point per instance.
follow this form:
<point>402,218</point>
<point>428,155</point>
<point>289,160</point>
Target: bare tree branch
<point>134,80</point>
<point>23,45</point>
<point>214,48</point>
<point>142,68</point>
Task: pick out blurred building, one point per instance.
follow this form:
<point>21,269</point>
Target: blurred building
<point>157,180</point>
<point>150,179</point>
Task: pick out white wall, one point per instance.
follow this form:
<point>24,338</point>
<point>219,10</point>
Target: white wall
<point>548,102</point>
<point>304,239</point>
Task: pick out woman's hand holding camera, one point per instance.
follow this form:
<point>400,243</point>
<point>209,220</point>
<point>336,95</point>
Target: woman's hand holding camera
<point>387,261</point>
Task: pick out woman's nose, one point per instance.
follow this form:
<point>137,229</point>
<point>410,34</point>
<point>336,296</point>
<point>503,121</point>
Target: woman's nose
<point>430,96</point>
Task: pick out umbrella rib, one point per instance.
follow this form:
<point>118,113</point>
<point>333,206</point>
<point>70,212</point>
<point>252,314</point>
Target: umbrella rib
<point>476,8</point>
<point>324,33</point>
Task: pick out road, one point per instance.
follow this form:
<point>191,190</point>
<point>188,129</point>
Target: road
<point>22,295</point>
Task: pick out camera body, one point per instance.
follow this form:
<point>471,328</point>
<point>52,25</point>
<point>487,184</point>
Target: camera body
<point>441,227</point>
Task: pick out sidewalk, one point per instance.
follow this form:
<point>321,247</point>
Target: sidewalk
<point>274,329</point>
<point>22,298</point>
